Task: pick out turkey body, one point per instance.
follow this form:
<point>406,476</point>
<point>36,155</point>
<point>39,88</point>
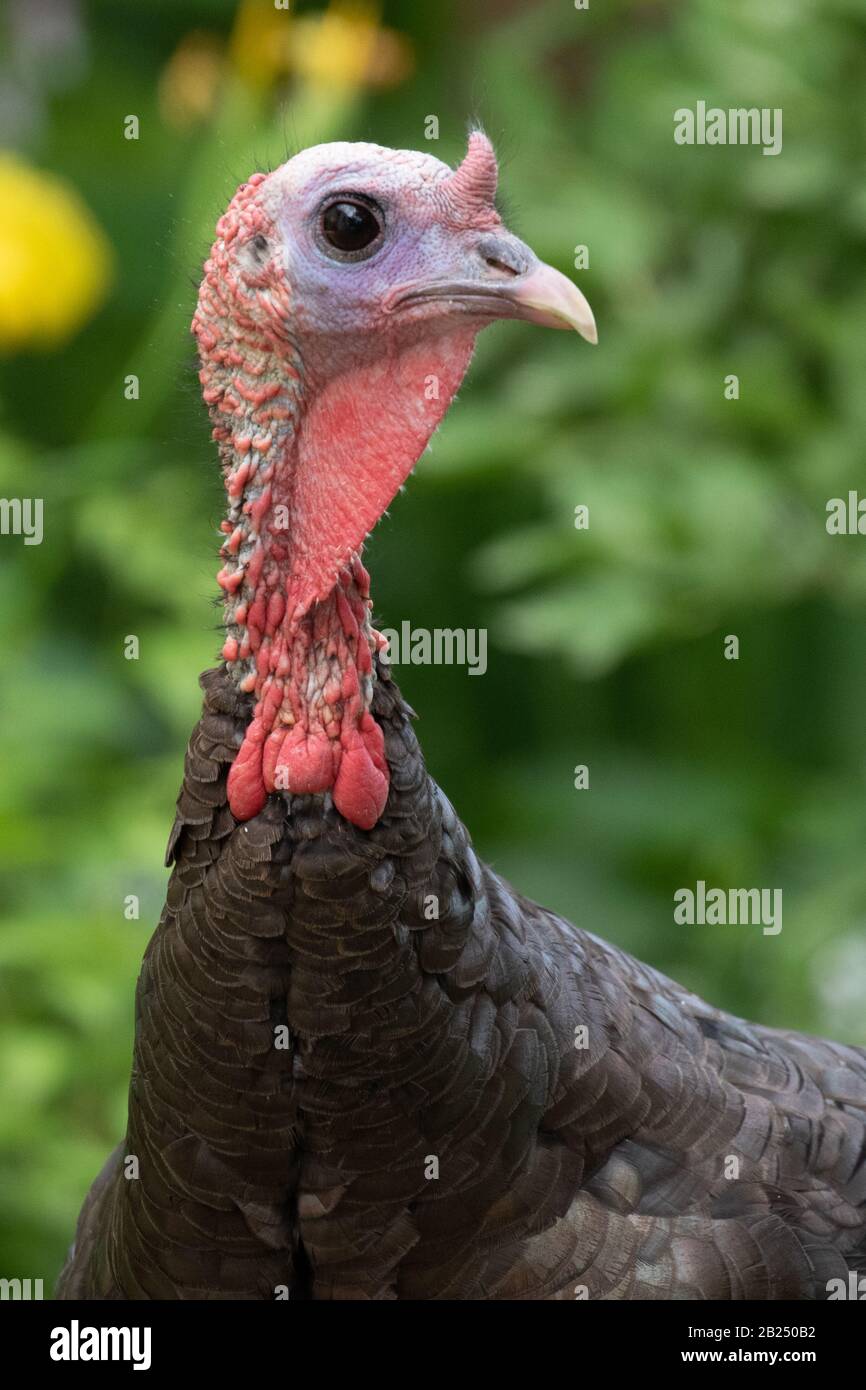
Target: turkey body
<point>366,1068</point>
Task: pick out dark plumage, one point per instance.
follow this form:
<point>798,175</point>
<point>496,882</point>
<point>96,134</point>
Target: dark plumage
<point>451,1038</point>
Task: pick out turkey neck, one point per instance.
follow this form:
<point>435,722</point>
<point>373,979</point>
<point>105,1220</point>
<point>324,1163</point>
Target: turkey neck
<point>303,648</point>
<point>315,440</point>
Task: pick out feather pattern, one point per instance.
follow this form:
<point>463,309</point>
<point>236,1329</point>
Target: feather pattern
<point>426,1127</point>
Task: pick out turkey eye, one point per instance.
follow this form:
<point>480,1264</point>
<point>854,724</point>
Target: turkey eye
<point>350,226</point>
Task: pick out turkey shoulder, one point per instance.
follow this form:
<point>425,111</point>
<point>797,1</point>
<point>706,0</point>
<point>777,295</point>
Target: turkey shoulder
<point>366,1067</point>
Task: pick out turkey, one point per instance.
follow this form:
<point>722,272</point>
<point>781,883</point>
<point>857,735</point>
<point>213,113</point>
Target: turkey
<point>365,1067</point>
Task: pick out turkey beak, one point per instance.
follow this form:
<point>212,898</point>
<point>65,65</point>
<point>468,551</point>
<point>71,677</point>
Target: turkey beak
<point>499,277</point>
<point>545,296</point>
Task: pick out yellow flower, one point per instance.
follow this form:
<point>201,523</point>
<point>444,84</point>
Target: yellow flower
<point>189,84</point>
<point>55,261</point>
<point>344,46</point>
<point>258,41</point>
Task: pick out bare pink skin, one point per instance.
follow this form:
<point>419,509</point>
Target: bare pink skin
<point>324,385</point>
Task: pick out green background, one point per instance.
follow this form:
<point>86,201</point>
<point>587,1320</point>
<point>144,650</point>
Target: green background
<point>707,518</point>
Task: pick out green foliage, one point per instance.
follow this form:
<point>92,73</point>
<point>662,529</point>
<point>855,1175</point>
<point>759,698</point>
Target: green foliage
<point>706,518</point>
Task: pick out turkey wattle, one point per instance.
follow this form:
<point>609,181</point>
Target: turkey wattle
<point>309,1037</point>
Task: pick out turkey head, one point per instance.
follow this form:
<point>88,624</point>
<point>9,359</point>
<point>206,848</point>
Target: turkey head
<point>335,321</point>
